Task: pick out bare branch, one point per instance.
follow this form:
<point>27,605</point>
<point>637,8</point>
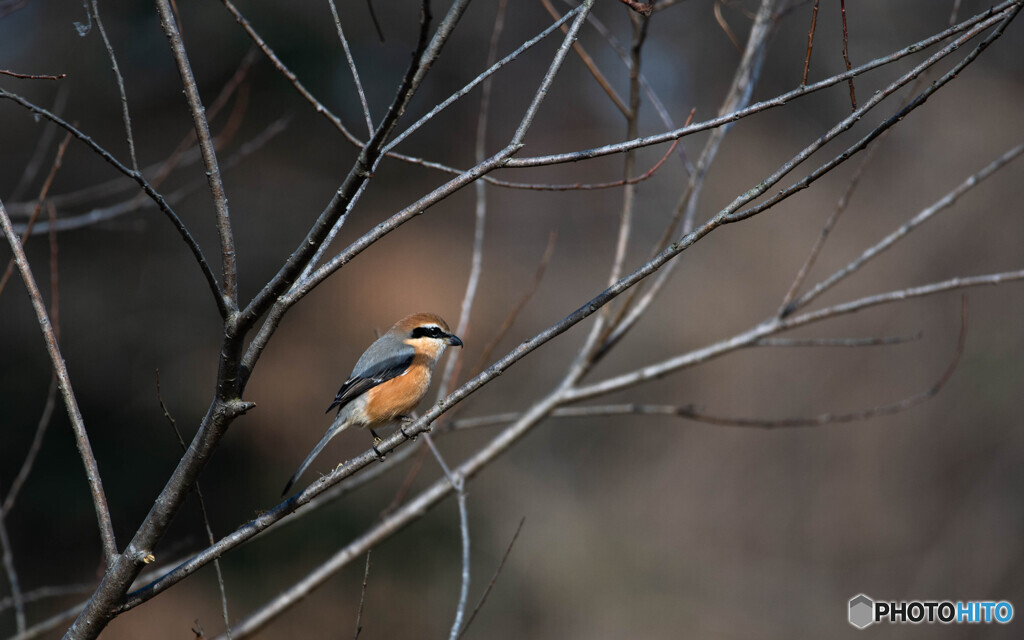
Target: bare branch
<point>29,76</point>
<point>352,68</point>
<point>652,97</point>
<point>220,200</point>
<point>513,313</point>
<point>720,19</point>
<point>284,302</point>
<point>33,450</point>
<point>103,214</point>
<point>589,63</point>
<point>43,593</point>
<point>485,77</point>
<point>43,192</point>
<point>643,8</point>
<point>334,215</point>
<point>12,574</point>
<point>810,42</point>
<point>460,489</point>
<point>494,578</point>
<point>987,18</point>
<point>202,509</point>
<point>125,117</point>
<point>183,231</point>
<point>926,214</point>
<point>746,76</point>
<point>99,498</point>
<point>846,55</point>
<point>362,596</point>
<point>772,326</point>
<point>837,342</point>
<point>291,77</point>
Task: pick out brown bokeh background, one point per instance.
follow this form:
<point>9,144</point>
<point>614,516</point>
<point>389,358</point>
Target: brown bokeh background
<point>634,527</point>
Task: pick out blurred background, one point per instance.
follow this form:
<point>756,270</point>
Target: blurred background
<point>635,526</point>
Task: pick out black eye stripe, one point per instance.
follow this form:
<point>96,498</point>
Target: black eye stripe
<point>427,332</point>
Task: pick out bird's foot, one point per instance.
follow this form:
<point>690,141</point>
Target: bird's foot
<point>402,422</point>
<point>377,440</point>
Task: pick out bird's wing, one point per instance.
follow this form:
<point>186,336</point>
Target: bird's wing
<point>369,377</point>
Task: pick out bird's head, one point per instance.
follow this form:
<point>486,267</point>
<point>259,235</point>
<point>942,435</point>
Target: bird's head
<point>427,333</point>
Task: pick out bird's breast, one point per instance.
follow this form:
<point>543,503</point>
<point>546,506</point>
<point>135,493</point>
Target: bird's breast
<point>398,396</point>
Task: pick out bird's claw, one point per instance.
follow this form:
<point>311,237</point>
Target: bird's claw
<point>376,441</point>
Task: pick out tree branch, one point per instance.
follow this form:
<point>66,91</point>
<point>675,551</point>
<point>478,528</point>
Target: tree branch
<point>99,498</point>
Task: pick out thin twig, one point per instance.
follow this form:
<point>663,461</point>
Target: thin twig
<point>355,73</point>
<point>43,192</point>
<point>42,145</point>
<point>851,120</point>
<point>810,42</point>
<point>584,186</point>
<point>720,19</point>
<point>460,490</point>
<point>12,574</point>
<point>926,214</point>
<point>652,97</point>
<point>826,229</point>
<point>492,68</point>
<point>202,510</point>
<point>33,450</point>
<point>30,76</point>
<point>837,342</point>
<point>589,63</point>
<point>99,498</point>
<point>513,313</point>
<point>846,55</point>
<point>43,593</point>
<point>125,117</point>
<point>642,8</point>
<point>362,593</point>
<point>494,578</point>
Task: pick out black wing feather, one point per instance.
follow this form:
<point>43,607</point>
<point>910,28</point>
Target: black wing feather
<point>366,380</point>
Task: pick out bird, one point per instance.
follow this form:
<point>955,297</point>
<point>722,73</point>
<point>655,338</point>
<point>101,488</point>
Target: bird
<point>389,379</point>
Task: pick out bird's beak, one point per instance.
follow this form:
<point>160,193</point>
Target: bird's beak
<point>453,340</point>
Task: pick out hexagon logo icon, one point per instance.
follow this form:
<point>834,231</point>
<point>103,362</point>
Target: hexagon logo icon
<point>861,610</point>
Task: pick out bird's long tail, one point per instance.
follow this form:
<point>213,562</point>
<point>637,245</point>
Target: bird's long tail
<point>339,425</point>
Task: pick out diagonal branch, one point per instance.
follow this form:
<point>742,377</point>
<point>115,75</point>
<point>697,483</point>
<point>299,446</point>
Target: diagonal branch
<point>357,178</point>
<point>282,303</point>
<point>125,117</point>
<point>984,20</point>
<point>99,498</point>
<point>926,214</point>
